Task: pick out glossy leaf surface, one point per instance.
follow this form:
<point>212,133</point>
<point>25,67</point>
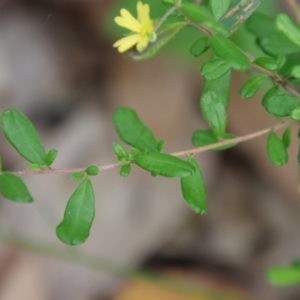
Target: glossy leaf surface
<point>79,215</point>
<point>193,189</point>
<point>13,188</point>
<point>22,135</point>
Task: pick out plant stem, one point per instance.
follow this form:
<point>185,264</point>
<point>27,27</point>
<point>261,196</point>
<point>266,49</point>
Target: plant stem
<point>164,17</point>
<point>182,153</point>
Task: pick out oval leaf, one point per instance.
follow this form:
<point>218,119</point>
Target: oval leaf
<point>267,63</point>
<point>164,35</point>
<point>284,276</point>
<point>164,165</point>
<point>215,69</point>
<point>193,189</point>
<point>125,170</point>
<point>13,188</point>
<point>132,131</point>
<point>251,86</point>
<point>278,103</point>
<point>200,46</point>
<point>286,137</point>
<point>51,156</point>
<point>79,215</point>
<point>22,135</point>
<point>228,51</point>
<point>276,150</point>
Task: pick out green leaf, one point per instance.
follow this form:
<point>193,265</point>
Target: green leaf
<point>125,170</point>
<point>219,8</point>
<point>251,86</point>
<point>295,115</point>
<point>228,51</point>
<point>200,15</point>
<point>286,137</point>
<point>36,167</point>
<point>276,150</point>
<point>22,135</point>
<point>278,44</point>
<point>203,138</point>
<point>119,151</point>
<point>164,35</point>
<point>221,86</point>
<point>215,69</point>
<point>164,165</point>
<point>214,112</point>
<point>200,46</point>
<point>79,215</point>
<point>132,131</point>
<point>193,189</point>
<point>77,176</point>
<point>278,103</point>
<point>284,276</point>
<point>261,25</point>
<point>288,28</point>
<point>238,12</point>
<point>92,171</point>
<point>160,145</point>
<point>296,71</point>
<point>267,63</point>
<point>13,188</point>
<point>51,156</point>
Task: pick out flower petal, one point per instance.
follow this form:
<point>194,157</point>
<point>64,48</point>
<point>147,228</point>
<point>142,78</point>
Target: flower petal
<point>142,44</point>
<point>143,11</point>
<point>127,42</point>
<point>128,21</point>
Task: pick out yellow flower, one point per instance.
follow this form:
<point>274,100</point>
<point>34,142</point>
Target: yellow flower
<point>142,29</point>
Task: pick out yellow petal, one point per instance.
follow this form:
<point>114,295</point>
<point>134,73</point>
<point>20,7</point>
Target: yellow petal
<point>127,42</point>
<point>142,44</point>
<point>128,21</point>
<point>143,11</point>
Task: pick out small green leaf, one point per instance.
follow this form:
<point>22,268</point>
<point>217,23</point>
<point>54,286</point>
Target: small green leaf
<point>286,137</point>
<point>36,167</point>
<point>251,86</point>
<point>22,135</point>
<point>200,46</point>
<point>215,69</point>
<point>164,35</point>
<point>125,170</point>
<point>284,276</point>
<point>267,63</point>
<point>200,15</point>
<point>278,44</point>
<point>92,171</point>
<point>288,28</point>
<point>219,8</point>
<point>281,59</point>
<point>214,112</point>
<point>279,103</point>
<point>51,156</point>
<point>79,215</point>
<point>77,176</point>
<point>228,51</point>
<point>193,189</point>
<point>132,131</point>
<point>295,115</point>
<point>203,138</point>
<point>276,150</point>
<point>164,165</point>
<point>296,71</point>
<point>160,145</point>
<point>13,188</point>
<point>119,151</point>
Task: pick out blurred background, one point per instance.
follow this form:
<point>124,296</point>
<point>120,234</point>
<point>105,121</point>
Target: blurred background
<point>57,66</point>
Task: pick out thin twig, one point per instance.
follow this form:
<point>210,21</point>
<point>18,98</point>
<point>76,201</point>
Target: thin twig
<point>164,17</point>
<point>294,8</point>
<point>182,153</point>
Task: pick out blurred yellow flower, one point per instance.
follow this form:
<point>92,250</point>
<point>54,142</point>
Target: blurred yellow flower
<point>142,29</point>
